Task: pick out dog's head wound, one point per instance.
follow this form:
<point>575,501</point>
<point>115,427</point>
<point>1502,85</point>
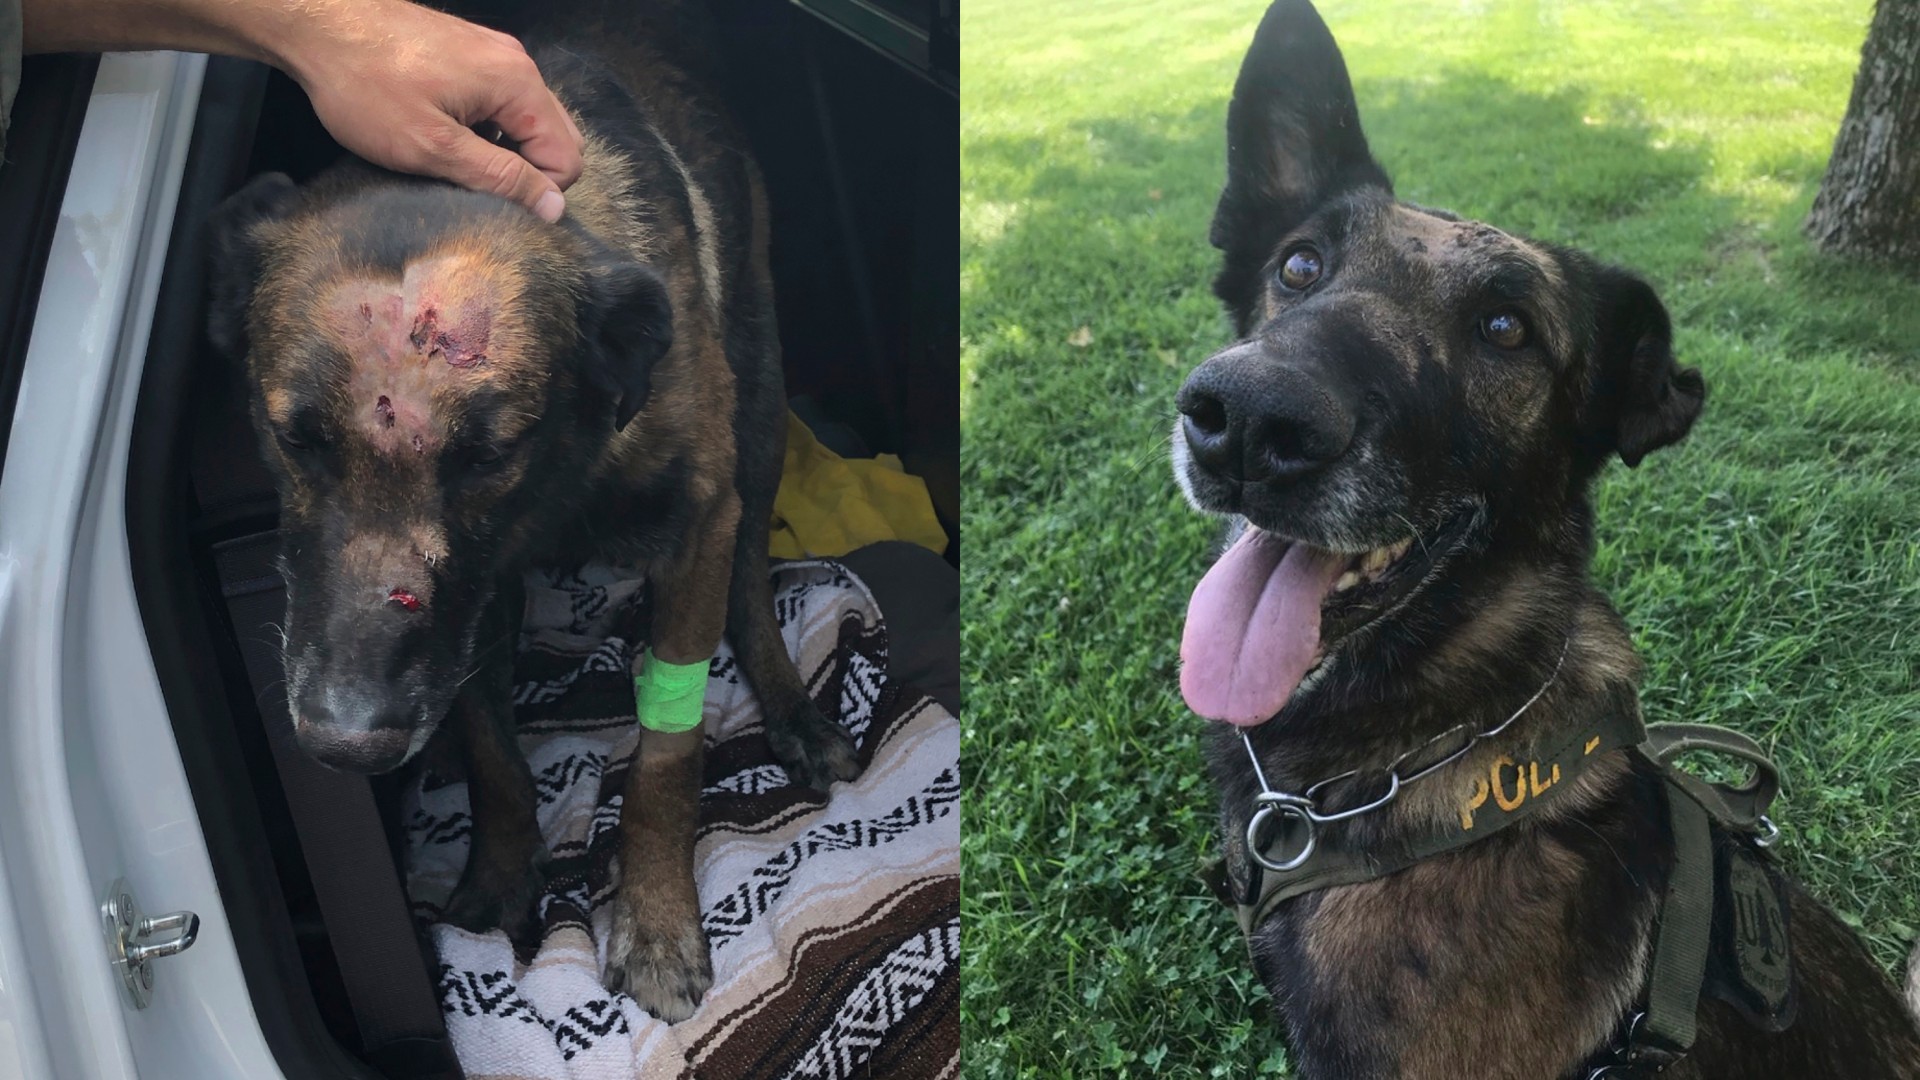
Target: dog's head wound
<point>1408,389</point>
<point>426,365</point>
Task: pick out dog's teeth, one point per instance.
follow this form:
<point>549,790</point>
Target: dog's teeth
<point>1372,563</point>
<point>1375,561</point>
<point>1347,581</point>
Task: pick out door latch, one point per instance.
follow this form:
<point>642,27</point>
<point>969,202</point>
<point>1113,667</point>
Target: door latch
<point>135,941</point>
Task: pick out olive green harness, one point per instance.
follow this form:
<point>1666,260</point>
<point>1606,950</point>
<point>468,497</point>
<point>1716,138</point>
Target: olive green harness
<point>1288,856</point>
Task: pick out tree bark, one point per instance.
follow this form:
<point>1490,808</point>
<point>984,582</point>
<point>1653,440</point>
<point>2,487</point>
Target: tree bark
<point>1869,202</point>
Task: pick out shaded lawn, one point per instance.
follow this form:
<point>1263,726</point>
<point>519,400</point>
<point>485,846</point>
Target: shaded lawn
<point>1769,566</point>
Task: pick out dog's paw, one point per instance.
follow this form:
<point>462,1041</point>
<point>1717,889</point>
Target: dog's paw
<point>491,896</point>
<point>814,750</point>
<point>666,969</point>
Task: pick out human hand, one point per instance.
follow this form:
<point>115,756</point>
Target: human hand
<point>398,84</point>
<point>403,85</point>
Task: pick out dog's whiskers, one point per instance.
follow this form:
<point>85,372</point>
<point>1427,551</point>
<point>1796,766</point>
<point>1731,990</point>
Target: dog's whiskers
<point>480,659</point>
<point>1415,530</point>
<point>1147,457</point>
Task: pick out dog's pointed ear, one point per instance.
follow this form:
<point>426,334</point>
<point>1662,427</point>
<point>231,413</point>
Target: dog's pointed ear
<point>234,255</point>
<point>626,325</point>
<point>1639,399</point>
<point>1293,142</point>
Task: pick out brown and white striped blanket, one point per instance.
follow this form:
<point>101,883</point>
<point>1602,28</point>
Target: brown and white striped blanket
<point>834,920</point>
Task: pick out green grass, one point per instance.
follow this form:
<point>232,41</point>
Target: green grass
<point>1769,566</point>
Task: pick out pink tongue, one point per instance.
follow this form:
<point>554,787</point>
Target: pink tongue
<point>1253,627</point>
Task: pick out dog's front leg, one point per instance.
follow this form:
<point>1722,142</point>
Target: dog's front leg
<point>658,952</point>
<point>506,859</point>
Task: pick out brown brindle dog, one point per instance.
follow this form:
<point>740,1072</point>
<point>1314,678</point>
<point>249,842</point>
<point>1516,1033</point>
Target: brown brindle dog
<point>1402,441</point>
<point>451,390</point>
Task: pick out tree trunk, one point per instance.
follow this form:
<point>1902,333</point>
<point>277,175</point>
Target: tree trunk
<point>1869,202</point>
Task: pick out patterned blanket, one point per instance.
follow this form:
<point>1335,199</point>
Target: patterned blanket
<point>834,920</point>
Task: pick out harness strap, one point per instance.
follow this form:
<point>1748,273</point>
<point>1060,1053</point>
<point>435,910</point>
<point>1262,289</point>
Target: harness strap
<point>1680,940</point>
<point>1665,1032</point>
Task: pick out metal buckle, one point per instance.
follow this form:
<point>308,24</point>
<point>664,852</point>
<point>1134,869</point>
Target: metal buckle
<point>1769,833</point>
<point>1272,802</point>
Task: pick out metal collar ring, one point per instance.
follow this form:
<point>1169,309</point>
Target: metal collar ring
<point>1279,802</point>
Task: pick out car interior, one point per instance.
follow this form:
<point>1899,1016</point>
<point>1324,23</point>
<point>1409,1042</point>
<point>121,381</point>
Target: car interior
<point>852,110</point>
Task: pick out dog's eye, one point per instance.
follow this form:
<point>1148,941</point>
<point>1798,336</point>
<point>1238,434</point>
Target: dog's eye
<point>1504,329</point>
<point>489,457</point>
<point>300,441</point>
<point>1301,269</point>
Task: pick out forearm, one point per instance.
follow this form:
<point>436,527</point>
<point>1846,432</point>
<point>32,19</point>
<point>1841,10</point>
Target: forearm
<point>253,29</point>
<point>376,72</point>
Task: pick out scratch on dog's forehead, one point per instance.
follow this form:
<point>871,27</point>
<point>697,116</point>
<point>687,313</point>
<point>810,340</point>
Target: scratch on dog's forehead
<point>1444,237</point>
<point>412,341</point>
<point>1425,232</point>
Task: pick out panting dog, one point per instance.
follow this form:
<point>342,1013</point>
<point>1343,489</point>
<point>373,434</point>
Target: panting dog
<point>1454,846</point>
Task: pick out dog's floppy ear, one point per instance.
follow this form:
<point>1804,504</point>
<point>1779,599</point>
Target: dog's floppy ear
<point>1293,142</point>
<point>1639,399</point>
<point>233,252</point>
<point>626,324</point>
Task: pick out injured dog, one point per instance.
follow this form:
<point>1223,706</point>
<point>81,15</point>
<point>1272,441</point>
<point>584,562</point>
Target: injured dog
<point>450,390</point>
<point>1402,439</point>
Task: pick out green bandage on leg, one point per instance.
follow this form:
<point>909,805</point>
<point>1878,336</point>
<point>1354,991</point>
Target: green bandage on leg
<point>668,697</point>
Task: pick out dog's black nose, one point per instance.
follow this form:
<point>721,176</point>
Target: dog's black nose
<point>354,729</point>
<point>1247,418</point>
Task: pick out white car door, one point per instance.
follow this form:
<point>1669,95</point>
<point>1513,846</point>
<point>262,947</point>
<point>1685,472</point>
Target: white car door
<point>91,785</point>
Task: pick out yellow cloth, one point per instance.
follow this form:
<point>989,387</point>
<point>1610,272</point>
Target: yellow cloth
<point>829,505</point>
